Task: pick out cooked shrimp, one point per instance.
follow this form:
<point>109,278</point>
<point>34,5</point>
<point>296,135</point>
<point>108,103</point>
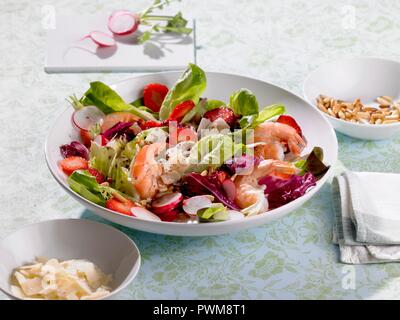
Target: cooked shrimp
<point>146,172</point>
<point>273,135</point>
<point>247,187</point>
<point>112,119</point>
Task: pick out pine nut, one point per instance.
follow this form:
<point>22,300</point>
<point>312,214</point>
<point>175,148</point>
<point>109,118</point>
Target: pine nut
<point>356,112</point>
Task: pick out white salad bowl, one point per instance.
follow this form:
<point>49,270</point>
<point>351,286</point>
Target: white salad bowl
<point>349,79</point>
<point>64,239</point>
<point>316,129</point>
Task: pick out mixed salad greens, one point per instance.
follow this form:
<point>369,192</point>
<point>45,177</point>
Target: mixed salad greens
<point>174,155</point>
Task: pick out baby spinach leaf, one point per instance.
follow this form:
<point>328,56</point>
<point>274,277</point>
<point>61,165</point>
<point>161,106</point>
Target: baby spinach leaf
<point>213,104</point>
<point>190,86</point>
<point>265,114</point>
<point>243,102</point>
<point>108,101</point>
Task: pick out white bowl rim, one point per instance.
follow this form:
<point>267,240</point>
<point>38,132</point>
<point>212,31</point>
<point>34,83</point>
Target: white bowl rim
<point>129,278</point>
<point>289,206</point>
<point>355,124</point>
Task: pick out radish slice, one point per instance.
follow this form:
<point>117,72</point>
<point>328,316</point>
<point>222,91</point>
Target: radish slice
<point>167,202</point>
<point>144,214</point>
<point>123,22</point>
<point>230,189</point>
<point>194,204</point>
<point>101,39</point>
<point>235,215</point>
<point>87,117</point>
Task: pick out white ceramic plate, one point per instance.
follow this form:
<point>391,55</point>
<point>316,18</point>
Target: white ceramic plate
<point>315,127</point>
<point>65,52</point>
<point>349,79</point>
<point>67,239</point>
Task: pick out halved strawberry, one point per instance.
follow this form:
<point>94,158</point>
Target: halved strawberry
<point>85,137</point>
<point>153,96</point>
<point>97,174</point>
<point>121,207</point>
<point>224,113</point>
<point>288,120</point>
<point>180,110</point>
<point>71,164</point>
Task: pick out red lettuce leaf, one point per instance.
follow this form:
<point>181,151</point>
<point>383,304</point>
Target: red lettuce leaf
<point>119,129</point>
<point>196,184</point>
<point>314,163</point>
<point>75,148</point>
<point>280,192</point>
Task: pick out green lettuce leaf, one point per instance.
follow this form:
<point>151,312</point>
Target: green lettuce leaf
<point>83,183</point>
<point>216,212</point>
<point>113,162</point>
<point>103,158</point>
<point>213,104</point>
<point>265,114</point>
<point>83,186</point>
<point>213,151</point>
<point>190,86</point>
<point>137,103</point>
<point>243,102</point>
<point>108,101</point>
<point>122,182</point>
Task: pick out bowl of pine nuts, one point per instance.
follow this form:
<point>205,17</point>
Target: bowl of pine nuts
<point>360,97</point>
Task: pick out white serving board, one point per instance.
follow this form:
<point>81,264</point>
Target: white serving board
<point>66,52</point>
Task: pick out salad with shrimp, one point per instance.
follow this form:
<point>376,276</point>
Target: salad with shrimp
<point>175,155</point>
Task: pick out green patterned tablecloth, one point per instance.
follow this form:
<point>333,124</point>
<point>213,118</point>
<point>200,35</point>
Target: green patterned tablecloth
<point>277,41</point>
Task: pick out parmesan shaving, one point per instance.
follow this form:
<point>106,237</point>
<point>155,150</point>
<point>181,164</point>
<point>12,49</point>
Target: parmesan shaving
<point>50,279</point>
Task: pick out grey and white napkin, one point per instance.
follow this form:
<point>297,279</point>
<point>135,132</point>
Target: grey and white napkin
<point>367,216</point>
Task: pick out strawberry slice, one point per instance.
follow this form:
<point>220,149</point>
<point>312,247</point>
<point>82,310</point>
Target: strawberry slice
<point>180,110</point>
<point>224,113</point>
<point>288,120</point>
<point>144,125</point>
<point>121,207</point>
<point>71,164</point>
<point>85,137</point>
<point>97,174</point>
<point>153,96</point>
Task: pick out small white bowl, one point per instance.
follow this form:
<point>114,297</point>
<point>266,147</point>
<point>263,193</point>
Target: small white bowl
<point>109,249</point>
<point>349,79</point>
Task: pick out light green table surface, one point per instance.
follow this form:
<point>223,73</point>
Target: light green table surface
<point>277,41</point>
